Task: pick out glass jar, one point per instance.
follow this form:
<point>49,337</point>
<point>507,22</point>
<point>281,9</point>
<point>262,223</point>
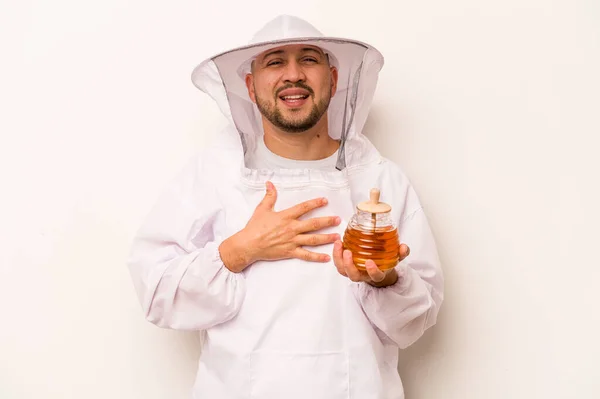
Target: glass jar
<point>372,234</point>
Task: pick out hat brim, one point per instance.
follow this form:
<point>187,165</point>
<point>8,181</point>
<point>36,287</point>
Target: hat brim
<point>341,52</point>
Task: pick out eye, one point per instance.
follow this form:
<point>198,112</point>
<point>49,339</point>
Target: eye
<point>310,59</point>
<point>273,62</point>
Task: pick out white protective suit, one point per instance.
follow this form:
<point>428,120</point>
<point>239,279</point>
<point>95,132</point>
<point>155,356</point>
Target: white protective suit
<point>286,329</point>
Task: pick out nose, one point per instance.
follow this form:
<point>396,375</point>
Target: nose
<point>293,72</point>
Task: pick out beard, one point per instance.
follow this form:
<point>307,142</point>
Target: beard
<point>292,125</point>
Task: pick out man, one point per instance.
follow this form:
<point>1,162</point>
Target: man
<point>245,244</point>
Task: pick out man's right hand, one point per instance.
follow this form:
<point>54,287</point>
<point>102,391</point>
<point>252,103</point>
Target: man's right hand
<point>271,235</point>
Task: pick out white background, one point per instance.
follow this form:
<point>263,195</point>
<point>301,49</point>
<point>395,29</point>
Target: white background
<point>491,107</point>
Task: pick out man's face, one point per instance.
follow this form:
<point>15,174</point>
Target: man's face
<point>292,86</point>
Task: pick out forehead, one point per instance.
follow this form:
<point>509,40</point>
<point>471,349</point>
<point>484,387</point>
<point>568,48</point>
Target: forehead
<point>291,49</point>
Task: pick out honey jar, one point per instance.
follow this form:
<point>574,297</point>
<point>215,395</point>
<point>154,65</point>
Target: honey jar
<point>372,234</point>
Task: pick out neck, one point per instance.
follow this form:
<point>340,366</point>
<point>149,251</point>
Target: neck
<point>310,145</point>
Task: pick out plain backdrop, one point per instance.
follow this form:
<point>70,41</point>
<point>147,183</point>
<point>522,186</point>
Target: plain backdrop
<point>491,107</point>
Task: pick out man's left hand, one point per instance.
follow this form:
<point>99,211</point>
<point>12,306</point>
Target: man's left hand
<point>373,276</point>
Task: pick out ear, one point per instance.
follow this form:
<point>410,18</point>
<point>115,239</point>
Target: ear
<point>250,87</point>
<point>334,80</point>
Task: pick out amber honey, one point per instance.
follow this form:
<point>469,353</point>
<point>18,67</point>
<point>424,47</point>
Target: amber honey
<point>372,234</point>
<point>379,244</point>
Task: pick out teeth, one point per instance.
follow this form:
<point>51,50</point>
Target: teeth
<point>293,97</point>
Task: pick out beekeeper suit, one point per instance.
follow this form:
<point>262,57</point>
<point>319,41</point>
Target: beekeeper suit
<point>287,328</point>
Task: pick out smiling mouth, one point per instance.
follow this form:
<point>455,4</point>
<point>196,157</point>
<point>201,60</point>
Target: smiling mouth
<point>295,100</point>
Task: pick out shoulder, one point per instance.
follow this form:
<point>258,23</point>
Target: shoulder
<point>401,192</point>
<point>199,176</point>
<point>394,170</point>
<point>215,163</point>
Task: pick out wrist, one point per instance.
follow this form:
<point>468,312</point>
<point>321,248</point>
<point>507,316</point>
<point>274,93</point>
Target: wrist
<point>390,278</point>
<point>235,254</point>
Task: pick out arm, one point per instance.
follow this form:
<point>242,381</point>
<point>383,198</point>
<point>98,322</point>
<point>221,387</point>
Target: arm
<point>175,263</point>
<point>187,277</point>
<point>409,306</point>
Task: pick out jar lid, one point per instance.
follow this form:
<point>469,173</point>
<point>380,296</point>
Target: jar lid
<point>373,205</point>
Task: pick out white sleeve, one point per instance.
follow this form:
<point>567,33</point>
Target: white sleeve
<point>175,264</point>
<point>403,311</point>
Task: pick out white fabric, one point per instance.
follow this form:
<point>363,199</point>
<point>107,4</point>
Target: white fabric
<point>263,158</point>
<point>284,329</point>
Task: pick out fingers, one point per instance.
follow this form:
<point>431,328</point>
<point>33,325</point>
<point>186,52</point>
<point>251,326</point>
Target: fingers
<point>349,268</point>
<point>304,207</point>
<point>403,252</point>
<point>309,256</point>
<point>317,223</point>
<point>268,202</point>
<point>338,260</point>
<point>342,259</point>
<point>373,271</point>
<point>316,239</point>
